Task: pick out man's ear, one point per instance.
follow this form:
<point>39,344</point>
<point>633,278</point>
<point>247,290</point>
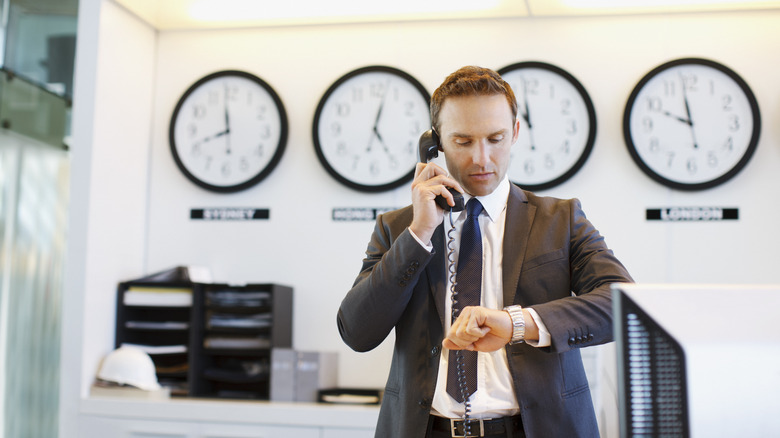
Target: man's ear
<point>516,131</point>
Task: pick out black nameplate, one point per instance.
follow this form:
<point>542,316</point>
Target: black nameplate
<point>351,214</point>
<point>691,214</point>
<point>229,214</point>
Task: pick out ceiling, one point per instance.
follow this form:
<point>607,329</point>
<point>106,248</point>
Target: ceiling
<point>202,14</point>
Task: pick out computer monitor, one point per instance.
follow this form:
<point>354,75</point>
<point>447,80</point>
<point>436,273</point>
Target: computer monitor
<point>698,361</point>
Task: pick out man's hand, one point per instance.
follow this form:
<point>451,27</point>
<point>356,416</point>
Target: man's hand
<point>429,181</point>
<point>481,329</point>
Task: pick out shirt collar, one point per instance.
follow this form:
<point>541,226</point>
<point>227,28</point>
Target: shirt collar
<point>495,202</point>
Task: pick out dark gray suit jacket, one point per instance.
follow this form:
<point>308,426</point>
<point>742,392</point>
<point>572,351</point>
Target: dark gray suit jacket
<point>550,251</point>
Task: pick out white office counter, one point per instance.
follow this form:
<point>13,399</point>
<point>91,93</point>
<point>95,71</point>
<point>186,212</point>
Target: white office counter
<point>211,418</point>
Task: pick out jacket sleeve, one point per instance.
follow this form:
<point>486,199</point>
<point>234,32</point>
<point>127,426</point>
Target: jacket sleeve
<point>583,316</point>
<point>378,298</point>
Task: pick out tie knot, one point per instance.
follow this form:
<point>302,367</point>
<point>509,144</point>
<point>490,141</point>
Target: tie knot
<point>473,207</point>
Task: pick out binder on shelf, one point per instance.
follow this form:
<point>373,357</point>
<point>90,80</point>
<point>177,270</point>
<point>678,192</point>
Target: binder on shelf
<point>299,375</point>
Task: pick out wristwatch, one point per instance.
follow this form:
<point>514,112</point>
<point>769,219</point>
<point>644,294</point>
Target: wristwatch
<point>518,323</point>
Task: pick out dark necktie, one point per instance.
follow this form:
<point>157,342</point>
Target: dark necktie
<point>469,288</point>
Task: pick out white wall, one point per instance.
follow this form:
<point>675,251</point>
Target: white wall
<point>300,246</point>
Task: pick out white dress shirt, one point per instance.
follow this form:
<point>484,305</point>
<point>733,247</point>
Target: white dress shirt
<point>495,395</point>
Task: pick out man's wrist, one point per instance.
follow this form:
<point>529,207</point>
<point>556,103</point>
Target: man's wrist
<point>518,323</point>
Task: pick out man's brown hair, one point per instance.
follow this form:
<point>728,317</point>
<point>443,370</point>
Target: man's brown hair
<point>471,81</point>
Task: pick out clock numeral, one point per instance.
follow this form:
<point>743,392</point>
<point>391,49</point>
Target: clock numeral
<point>226,169</point>
<point>727,102</point>
<point>374,168</point>
<point>655,145</point>
<point>552,93</point>
<point>729,145</point>
<point>692,166</point>
<point>654,104</point>
<point>355,161</point>
<point>529,167</point>
<point>669,159</point>
<point>377,90</point>
<point>261,111</point>
<point>265,132</point>
<point>198,111</point>
<point>647,123</point>
<point>260,149</point>
<point>341,148</point>
<point>335,129</point>
<point>572,127</point>
<point>195,152</point>
<point>231,94</point>
<point>734,123</point>
<point>670,88</point>
<point>689,81</point>
<point>342,109</point>
<point>243,164</point>
<point>549,162</point>
<point>712,159</point>
<point>192,129</point>
<point>392,161</point>
<point>566,147</point>
<point>565,106</point>
<point>531,86</point>
<point>207,164</point>
<point>357,94</point>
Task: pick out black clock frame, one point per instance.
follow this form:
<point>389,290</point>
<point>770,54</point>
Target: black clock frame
<point>591,119</point>
<point>280,148</point>
<point>751,149</point>
<point>315,131</point>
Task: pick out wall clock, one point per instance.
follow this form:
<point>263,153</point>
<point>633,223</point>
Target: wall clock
<point>367,126</point>
<point>691,124</point>
<point>557,125</point>
<point>228,131</point>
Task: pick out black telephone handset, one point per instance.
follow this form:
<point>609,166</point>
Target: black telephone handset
<point>429,149</point>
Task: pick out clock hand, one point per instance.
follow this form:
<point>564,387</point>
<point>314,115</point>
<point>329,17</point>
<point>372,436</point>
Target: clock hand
<point>227,122</point>
<point>688,111</point>
<point>211,137</point>
<point>378,115</point>
<point>527,118</point>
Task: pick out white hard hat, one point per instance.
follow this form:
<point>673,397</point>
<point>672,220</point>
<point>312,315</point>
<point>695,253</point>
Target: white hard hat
<point>129,366</point>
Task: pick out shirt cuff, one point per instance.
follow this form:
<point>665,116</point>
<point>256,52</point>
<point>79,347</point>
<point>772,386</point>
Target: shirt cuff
<point>545,340</point>
<point>428,247</point>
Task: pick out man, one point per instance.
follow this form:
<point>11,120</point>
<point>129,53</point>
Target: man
<point>542,269</point>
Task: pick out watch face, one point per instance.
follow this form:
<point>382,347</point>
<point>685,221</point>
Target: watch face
<point>228,131</point>
<point>557,125</point>
<point>691,124</point>
<point>367,126</point>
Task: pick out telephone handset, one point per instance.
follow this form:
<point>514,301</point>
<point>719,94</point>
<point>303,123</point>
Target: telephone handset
<point>429,149</point>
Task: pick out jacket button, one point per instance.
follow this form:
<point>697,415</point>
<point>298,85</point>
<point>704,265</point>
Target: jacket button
<point>415,264</point>
<point>434,350</point>
<point>402,283</point>
<point>571,340</point>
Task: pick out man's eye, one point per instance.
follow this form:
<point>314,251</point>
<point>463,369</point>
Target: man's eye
<point>496,139</point>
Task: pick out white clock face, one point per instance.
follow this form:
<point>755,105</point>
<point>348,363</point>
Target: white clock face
<point>691,124</point>
<point>557,125</point>
<point>367,127</point>
<point>228,131</point>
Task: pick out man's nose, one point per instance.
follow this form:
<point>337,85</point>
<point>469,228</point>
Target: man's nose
<point>481,155</point>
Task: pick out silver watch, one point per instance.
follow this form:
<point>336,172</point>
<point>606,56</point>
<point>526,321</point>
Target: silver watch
<point>518,323</point>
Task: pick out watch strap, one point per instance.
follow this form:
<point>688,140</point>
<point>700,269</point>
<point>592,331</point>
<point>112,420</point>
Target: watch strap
<point>518,323</point>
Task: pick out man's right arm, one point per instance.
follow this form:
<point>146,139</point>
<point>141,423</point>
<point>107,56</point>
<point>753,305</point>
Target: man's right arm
<point>393,263</point>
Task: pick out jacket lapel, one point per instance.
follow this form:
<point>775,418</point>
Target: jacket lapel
<point>437,280</point>
<point>519,218</point>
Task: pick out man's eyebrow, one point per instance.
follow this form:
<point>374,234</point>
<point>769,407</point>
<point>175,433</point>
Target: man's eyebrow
<point>464,135</point>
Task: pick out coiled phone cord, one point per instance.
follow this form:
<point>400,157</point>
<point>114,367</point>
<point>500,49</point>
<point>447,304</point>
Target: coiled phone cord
<point>451,267</point>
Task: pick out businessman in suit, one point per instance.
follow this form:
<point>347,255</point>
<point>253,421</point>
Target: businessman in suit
<point>541,272</point>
